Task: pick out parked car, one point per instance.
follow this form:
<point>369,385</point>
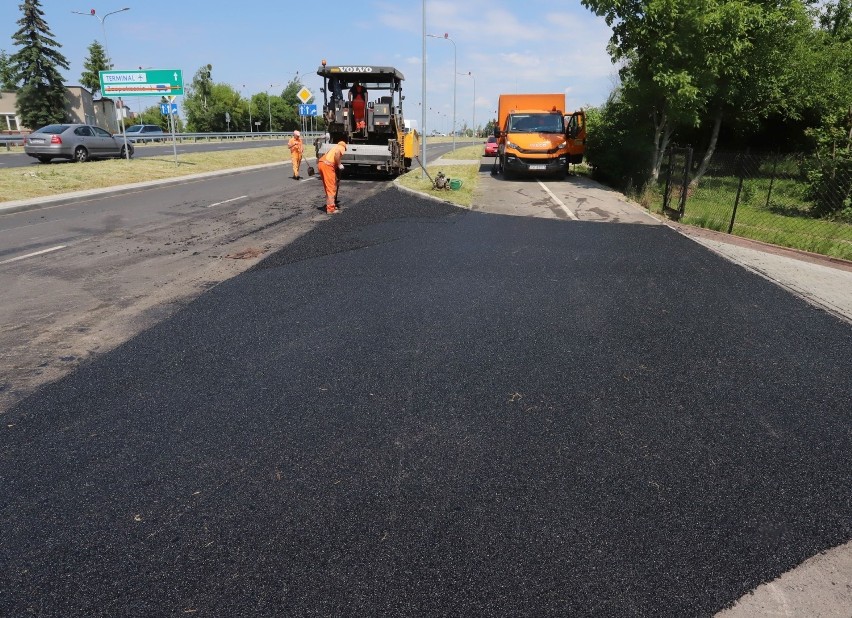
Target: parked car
<point>78,142</point>
<point>145,133</point>
<point>490,147</point>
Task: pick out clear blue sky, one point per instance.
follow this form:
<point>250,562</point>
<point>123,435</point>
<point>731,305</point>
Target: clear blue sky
<point>509,46</point>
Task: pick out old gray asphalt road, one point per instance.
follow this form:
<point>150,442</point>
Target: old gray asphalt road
<point>417,410</point>
<point>80,278</point>
<point>81,275</point>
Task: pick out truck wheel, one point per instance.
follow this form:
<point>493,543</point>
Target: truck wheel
<point>507,175</point>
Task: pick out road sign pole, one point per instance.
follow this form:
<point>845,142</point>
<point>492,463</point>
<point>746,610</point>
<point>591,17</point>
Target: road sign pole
<point>173,125</point>
<point>123,132</point>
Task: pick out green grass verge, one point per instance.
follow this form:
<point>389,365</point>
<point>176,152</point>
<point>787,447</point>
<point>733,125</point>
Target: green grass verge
<point>782,220</point>
<point>42,180</point>
<point>467,152</point>
<point>468,174</point>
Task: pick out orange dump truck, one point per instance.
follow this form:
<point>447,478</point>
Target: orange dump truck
<point>535,136</point>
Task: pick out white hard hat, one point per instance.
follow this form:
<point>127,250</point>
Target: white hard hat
<point>296,134</point>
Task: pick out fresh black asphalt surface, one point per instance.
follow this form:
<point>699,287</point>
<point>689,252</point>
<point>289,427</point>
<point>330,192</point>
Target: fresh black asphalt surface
<point>420,410</point>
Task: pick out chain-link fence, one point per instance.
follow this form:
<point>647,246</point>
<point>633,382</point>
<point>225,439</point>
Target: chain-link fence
<point>790,200</point>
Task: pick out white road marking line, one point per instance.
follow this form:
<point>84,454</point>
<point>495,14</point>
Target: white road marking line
<point>29,255</point>
<point>570,214</point>
<point>233,199</point>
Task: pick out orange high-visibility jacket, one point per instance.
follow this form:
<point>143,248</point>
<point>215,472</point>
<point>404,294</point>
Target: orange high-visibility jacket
<point>296,145</point>
<point>333,156</point>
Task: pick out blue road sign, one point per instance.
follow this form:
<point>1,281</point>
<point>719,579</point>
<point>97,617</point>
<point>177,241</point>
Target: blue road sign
<point>307,110</point>
<point>166,108</point>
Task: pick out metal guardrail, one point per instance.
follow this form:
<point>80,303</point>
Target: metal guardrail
<point>12,140</point>
<point>221,137</point>
<point>308,136</point>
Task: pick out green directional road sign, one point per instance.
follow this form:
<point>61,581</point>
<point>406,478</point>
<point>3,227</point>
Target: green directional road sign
<point>157,82</point>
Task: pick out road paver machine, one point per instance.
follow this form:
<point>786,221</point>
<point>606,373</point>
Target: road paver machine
<point>376,139</point>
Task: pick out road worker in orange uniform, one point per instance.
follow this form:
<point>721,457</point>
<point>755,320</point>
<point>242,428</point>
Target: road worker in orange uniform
<point>358,98</point>
<point>297,147</point>
<point>329,168</point>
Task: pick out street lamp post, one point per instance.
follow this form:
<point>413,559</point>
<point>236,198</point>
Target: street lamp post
<point>269,107</point>
<point>423,94</point>
<point>249,108</point>
<point>446,37</point>
<point>473,122</point>
<point>297,79</point>
<point>269,104</point>
<point>103,27</point>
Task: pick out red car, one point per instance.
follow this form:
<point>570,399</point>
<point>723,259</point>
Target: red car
<point>490,147</point>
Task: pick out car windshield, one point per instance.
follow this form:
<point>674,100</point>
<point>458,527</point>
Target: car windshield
<point>536,123</point>
<point>134,129</point>
<point>53,129</point>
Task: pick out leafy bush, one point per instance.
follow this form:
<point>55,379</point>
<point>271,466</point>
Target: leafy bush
<point>830,185</point>
<point>619,146</point>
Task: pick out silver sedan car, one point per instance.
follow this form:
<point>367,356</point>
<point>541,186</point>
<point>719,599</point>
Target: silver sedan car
<point>78,142</point>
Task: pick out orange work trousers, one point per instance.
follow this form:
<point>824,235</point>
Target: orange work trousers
<point>296,158</point>
<point>358,106</point>
<point>329,182</point>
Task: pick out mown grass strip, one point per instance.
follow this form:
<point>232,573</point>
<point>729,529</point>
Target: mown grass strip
<point>468,152</point>
<point>782,219</point>
<point>42,180</point>
<point>468,174</point>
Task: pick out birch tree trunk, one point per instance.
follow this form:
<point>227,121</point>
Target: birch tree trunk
<point>662,133</point>
<point>711,148</point>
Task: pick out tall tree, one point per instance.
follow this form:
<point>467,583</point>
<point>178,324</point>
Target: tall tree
<point>153,115</point>
<point>224,103</point>
<point>830,63</point>
<point>289,110</point>
<point>202,83</point>
<point>658,44</point>
<point>835,19</point>
<point>94,63</point>
<point>619,141</point>
<point>36,64</point>
<point>757,76</point>
<point>208,106</point>
<point>7,76</point>
<point>197,101</point>
<point>699,61</point>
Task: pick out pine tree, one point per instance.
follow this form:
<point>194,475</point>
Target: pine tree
<point>97,61</point>
<point>35,66</point>
<point>7,77</point>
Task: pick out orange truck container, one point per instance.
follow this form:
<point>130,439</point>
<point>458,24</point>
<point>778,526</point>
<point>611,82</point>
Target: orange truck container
<point>535,136</point>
